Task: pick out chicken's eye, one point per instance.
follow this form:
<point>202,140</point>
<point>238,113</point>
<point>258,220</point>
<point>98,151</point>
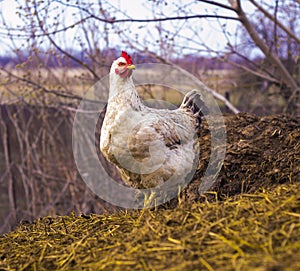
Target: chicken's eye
<point>121,64</point>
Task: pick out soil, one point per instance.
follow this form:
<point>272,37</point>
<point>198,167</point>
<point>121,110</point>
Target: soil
<point>260,152</point>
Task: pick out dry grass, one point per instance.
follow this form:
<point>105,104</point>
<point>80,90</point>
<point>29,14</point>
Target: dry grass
<point>248,232</point>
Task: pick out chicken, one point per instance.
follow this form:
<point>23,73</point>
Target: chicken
<point>148,146</point>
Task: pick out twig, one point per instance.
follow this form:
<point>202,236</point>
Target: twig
<point>217,95</point>
<point>272,18</point>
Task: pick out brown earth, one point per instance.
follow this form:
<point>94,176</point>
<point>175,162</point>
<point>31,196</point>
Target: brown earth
<point>260,152</point>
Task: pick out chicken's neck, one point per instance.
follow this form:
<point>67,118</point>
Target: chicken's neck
<point>122,91</point>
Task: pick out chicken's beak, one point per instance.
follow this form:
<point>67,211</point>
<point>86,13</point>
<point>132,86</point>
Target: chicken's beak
<point>131,67</point>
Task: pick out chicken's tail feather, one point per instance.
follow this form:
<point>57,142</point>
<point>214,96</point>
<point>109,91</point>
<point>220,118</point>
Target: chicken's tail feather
<point>194,104</point>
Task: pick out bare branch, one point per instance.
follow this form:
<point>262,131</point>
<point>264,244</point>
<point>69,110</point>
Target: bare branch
<point>60,49</point>
<point>285,75</point>
<point>56,93</point>
<point>170,19</point>
<point>290,100</point>
<point>40,87</point>
<point>217,95</point>
<point>265,74</point>
<point>272,18</point>
<point>114,21</point>
<point>175,18</point>
<point>36,35</point>
<point>8,163</point>
<point>218,4</point>
<point>256,73</point>
<point>275,34</point>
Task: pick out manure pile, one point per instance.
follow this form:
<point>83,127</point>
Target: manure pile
<point>252,224</point>
<point>260,152</point>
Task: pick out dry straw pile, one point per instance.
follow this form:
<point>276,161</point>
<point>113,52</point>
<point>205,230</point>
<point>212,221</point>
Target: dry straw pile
<point>247,232</point>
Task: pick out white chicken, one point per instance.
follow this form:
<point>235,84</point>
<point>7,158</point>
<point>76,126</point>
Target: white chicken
<point>148,146</point>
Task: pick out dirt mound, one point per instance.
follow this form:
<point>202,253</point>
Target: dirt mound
<point>260,152</point>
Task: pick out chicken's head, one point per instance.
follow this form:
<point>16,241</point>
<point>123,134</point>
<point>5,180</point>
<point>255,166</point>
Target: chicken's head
<point>123,65</point>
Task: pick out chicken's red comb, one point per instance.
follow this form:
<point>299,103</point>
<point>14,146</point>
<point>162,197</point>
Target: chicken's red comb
<point>127,57</point>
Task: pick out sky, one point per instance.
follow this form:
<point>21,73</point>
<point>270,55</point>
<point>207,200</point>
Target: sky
<point>205,31</point>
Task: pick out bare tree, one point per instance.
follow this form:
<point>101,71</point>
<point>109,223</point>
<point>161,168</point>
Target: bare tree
<point>290,82</point>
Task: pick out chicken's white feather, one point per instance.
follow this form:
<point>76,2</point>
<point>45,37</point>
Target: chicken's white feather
<point>148,146</point>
